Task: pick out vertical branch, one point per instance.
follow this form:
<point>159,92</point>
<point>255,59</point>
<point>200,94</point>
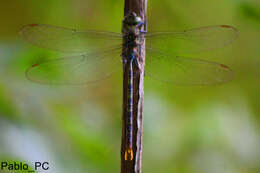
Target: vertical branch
<point>134,166</point>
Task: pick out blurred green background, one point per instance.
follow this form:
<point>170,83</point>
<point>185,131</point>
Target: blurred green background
<point>214,129</point>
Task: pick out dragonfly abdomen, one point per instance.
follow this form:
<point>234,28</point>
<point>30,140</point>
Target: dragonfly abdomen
<point>129,122</point>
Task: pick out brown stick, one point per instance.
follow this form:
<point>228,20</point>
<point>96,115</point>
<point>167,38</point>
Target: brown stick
<point>134,166</point>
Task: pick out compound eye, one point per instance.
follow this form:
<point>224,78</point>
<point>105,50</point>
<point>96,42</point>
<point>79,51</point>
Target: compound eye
<point>138,19</point>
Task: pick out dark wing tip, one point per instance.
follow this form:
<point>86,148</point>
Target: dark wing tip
<point>33,25</point>
<point>34,65</point>
<point>27,73</point>
<point>21,32</point>
<point>231,73</point>
<point>232,28</point>
<point>226,26</point>
<point>224,66</point>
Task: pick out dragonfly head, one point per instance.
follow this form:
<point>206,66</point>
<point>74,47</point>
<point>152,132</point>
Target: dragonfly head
<point>132,20</point>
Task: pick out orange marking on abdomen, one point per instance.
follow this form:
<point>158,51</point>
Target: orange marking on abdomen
<point>34,65</point>
<point>129,154</point>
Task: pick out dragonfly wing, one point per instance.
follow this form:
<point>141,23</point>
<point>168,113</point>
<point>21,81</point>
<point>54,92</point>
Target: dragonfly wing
<point>192,41</point>
<point>69,40</point>
<point>74,70</point>
<point>185,71</point>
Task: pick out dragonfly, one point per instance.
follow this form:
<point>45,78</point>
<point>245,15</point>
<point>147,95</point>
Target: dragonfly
<point>98,54</point>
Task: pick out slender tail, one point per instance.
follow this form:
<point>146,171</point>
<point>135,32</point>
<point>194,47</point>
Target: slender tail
<point>129,122</point>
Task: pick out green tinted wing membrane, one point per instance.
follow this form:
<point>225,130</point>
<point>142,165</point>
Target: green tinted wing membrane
<point>192,41</point>
<point>70,40</point>
<point>75,70</point>
<point>184,70</point>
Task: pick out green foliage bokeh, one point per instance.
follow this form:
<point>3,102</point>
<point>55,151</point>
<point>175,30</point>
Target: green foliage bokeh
<point>78,129</point>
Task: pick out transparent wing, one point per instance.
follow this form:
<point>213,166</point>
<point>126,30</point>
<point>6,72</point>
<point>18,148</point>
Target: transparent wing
<point>75,70</point>
<point>192,41</point>
<point>185,71</point>
<point>69,40</point>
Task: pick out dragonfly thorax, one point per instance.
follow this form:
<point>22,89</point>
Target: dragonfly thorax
<point>131,35</point>
<point>132,24</point>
